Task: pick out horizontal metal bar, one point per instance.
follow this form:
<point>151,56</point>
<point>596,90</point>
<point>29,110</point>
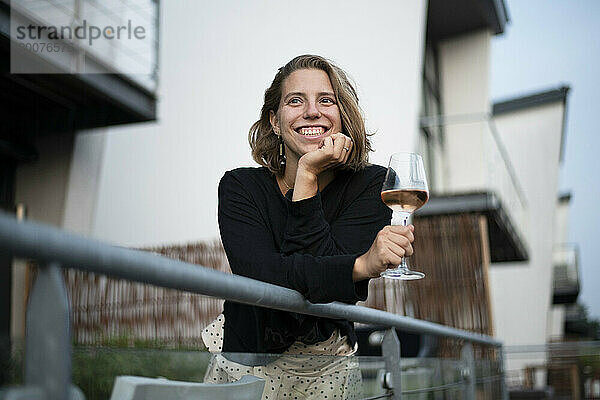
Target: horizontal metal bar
<point>565,346</point>
<point>456,385</point>
<point>46,243</point>
<point>488,379</point>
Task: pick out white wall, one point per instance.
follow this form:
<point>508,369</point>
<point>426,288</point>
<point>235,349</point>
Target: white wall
<point>522,292</point>
<point>158,181</point>
<point>556,322</point>
<point>83,182</point>
<point>465,73</point>
<point>464,76</point>
<point>561,222</point>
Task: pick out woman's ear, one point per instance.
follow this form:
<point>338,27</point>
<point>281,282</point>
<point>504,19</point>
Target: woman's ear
<point>274,122</point>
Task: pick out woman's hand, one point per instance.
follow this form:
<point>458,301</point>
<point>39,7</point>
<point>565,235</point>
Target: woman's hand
<point>331,154</point>
<point>391,244</point>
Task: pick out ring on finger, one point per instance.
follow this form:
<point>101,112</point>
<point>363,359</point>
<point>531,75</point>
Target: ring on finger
<point>347,148</point>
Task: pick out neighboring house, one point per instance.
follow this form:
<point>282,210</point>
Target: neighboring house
<point>527,296</point>
<point>422,70</point>
<point>532,130</point>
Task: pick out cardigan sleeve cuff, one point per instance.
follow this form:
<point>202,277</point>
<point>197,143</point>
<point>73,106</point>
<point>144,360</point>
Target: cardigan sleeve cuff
<point>304,207</point>
<point>334,283</point>
<point>305,227</point>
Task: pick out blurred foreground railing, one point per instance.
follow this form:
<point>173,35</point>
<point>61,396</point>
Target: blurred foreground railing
<point>47,361</point>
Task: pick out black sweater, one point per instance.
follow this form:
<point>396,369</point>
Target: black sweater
<point>309,246</point>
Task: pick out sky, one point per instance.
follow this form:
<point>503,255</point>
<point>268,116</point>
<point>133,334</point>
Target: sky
<point>547,44</point>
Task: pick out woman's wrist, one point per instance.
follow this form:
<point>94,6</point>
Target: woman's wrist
<point>358,272</point>
<point>305,171</point>
<point>305,185</point>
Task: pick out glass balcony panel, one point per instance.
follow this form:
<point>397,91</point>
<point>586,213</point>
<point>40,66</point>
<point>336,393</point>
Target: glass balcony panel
<point>477,163</point>
<point>502,179</point>
<point>566,274</point>
<point>137,59</point>
<point>96,368</point>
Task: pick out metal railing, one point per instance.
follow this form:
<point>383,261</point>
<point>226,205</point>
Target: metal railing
<point>47,359</point>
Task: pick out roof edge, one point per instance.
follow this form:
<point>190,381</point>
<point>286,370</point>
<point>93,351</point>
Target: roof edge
<point>538,99</point>
<point>531,100</point>
<point>501,17</point>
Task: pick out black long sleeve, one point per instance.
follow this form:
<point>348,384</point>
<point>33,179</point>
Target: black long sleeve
<point>252,252</point>
<point>309,246</point>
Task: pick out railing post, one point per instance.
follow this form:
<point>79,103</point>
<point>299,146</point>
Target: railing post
<point>47,338</point>
<point>47,358</point>
<point>468,372</point>
<point>390,348</point>
<point>503,388</point>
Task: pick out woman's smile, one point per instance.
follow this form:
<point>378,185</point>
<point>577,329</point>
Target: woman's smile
<point>311,130</point>
<point>314,134</point>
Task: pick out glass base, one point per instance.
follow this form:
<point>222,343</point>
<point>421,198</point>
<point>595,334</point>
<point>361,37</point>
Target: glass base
<point>402,273</point>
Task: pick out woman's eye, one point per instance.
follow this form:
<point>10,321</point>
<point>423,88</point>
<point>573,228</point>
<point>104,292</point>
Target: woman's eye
<point>295,100</point>
<point>327,100</point>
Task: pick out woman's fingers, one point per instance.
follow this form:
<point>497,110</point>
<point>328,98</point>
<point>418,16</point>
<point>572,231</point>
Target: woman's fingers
<point>402,241</point>
<point>390,245</point>
<point>338,146</point>
<point>327,143</point>
<point>405,231</point>
<point>395,253</point>
<point>342,147</point>
<point>396,243</point>
<point>333,151</point>
<point>347,149</point>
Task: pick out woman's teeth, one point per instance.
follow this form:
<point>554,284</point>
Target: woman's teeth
<point>312,131</point>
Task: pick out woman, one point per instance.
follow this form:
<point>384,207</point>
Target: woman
<point>310,219</point>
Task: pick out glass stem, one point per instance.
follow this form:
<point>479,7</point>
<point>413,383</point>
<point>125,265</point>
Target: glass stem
<point>401,218</point>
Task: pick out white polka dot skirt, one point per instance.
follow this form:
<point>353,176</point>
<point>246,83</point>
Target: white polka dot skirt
<point>324,370</point>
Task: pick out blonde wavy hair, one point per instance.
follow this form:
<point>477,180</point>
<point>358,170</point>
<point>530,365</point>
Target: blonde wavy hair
<point>265,144</point>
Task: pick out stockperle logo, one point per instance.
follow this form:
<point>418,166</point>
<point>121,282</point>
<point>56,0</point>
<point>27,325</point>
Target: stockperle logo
<point>84,31</point>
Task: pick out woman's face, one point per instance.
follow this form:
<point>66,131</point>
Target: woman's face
<point>308,112</point>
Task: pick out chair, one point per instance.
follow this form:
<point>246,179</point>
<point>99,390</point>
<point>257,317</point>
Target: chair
<point>140,388</point>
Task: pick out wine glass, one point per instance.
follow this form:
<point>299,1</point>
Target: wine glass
<point>404,191</point>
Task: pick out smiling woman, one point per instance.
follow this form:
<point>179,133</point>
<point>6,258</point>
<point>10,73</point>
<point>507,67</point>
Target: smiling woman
<point>338,89</point>
<point>310,219</point>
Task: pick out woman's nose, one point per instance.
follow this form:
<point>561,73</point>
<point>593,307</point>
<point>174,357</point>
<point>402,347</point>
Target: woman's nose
<point>311,111</point>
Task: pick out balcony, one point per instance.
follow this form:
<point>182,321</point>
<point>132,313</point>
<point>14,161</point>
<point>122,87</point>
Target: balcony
<point>479,178</point>
<point>576,324</point>
<point>566,274</point>
<point>83,85</point>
